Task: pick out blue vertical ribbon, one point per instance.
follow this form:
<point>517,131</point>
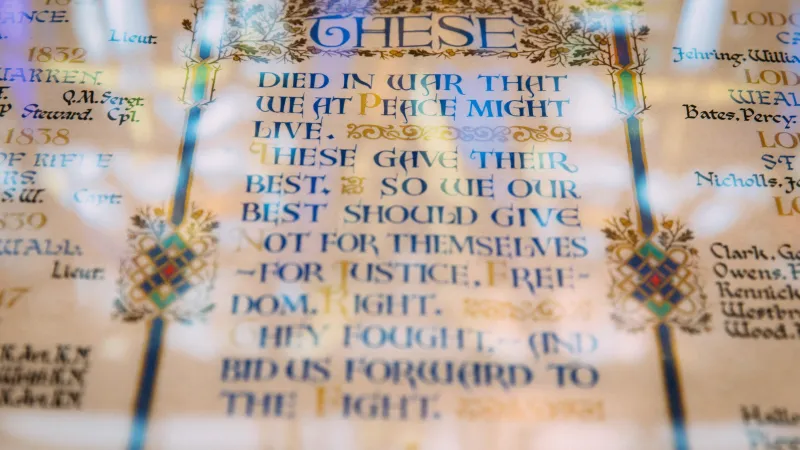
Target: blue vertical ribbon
<point>629,103</point>
<point>144,395</point>
<point>636,152</point>
<point>672,382</point>
<point>633,128</point>
<point>180,199</point>
<point>200,74</point>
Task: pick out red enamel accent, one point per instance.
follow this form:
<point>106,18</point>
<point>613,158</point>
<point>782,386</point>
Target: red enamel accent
<point>169,270</point>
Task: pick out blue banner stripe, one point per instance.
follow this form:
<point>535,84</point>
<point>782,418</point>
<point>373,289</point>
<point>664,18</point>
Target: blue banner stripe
<point>673,386</point>
<point>144,397</point>
<point>636,148</point>
<point>621,40</point>
<point>181,197</point>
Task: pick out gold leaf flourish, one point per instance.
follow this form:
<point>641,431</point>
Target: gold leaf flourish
<point>451,133</point>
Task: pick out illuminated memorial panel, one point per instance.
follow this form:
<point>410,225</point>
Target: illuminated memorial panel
<point>398,224</point>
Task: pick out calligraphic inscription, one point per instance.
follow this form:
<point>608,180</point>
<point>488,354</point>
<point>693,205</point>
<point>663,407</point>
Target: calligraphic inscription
<point>399,224</point>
